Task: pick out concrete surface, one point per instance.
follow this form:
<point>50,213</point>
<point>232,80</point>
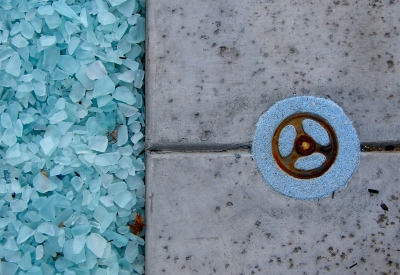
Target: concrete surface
<point>214,66</point>
<point>212,213</point>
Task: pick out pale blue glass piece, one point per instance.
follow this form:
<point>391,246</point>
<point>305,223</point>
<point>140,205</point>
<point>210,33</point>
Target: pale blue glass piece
<point>58,117</point>
<point>123,198</point>
<point>19,42</point>
<point>39,75</point>
<point>39,252</point>
<point>69,254</point>
<point>26,118</point>
<point>116,2</point>
<point>47,212</point>
<point>83,18</point>
<point>62,160</point>
<point>48,145</point>
<point>96,70</point>
<point>316,131</point>
<point>116,188</point>
<point>15,29</point>
<point>127,8</point>
<point>18,206</point>
<point>127,110</point>
<point>96,243</point>
<point>78,244</point>
<point>133,19</point>
<point>15,186</point>
<point>103,86</point>
<point>107,159</point>
<point>286,140</point>
<point>56,170</point>
<point>45,10</point>
<point>26,78</point>
<point>39,238</point>
<point>135,127</point>
<point>137,33</point>
<point>122,174</point>
<point>62,8</point>
<point>61,201</point>
<point>6,53</point>
<point>105,17</point>
<point>124,46</point>
<point>124,94</point>
<point>59,74</point>
<point>52,21</point>
<point>50,58</point>
<point>77,92</point>
<point>122,135</point>
<point>12,256</point>
<point>40,89</point>
<point>47,41</point>
<point>9,138</point>
<point>98,143</point>
<point>71,28</point>
<point>27,30</point>
<point>23,89</point>
<point>42,184</point>
<point>47,269</point>
<point>46,228</point>
<point>6,120</point>
<point>82,229</point>
<point>13,65</point>
<point>11,244</point>
<point>103,100</point>
<point>126,162</point>
<point>37,24</point>
<point>138,78</point>
<point>86,198</point>
<point>7,268</point>
<point>73,44</point>
<point>77,183</point>
<point>127,76</point>
<point>118,240</point>
<point>134,182</point>
<point>32,216</point>
<point>125,151</point>
<point>133,65</point>
<point>136,137</point>
<point>121,30</point>
<point>105,223</point>
<point>131,251</point>
<point>24,233</point>
<point>68,64</point>
<point>107,201</point>
<point>25,262</point>
<point>310,162</point>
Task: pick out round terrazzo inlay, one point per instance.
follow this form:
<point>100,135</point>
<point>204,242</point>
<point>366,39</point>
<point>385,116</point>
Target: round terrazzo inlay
<point>306,147</point>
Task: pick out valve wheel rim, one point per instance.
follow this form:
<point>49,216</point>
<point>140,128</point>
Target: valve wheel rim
<point>305,145</point>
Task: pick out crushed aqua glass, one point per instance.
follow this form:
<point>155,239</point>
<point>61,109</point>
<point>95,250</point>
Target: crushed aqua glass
<point>71,136</point>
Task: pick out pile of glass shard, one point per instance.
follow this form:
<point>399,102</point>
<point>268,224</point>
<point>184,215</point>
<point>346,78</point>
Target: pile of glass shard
<point>71,136</point>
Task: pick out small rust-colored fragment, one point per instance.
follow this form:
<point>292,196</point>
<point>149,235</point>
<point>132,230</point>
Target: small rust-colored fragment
<point>384,207</point>
<point>138,225</point>
<point>61,225</point>
<point>44,173</point>
<point>112,137</point>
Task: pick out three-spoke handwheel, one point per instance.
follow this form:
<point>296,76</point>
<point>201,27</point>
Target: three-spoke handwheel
<point>305,145</point>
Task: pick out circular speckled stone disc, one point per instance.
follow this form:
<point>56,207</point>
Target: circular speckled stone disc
<point>339,173</point>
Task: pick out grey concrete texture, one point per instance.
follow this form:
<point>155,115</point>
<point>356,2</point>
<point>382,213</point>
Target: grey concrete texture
<point>213,213</point>
<point>214,66</point>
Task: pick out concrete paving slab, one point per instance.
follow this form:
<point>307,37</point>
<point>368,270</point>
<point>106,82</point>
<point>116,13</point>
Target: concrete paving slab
<point>212,213</point>
<point>214,66</point>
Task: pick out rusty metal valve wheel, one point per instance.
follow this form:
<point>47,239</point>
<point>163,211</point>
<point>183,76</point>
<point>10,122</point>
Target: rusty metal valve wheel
<point>305,145</point>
